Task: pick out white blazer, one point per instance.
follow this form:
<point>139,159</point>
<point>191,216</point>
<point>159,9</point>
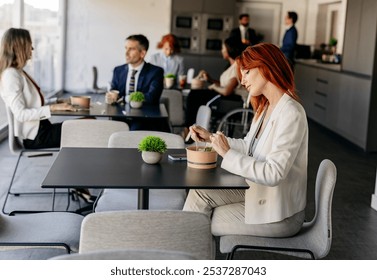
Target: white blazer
<point>277,172</point>
<point>23,99</point>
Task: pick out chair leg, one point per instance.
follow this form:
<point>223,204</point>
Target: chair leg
<point>9,191</point>
<point>230,255</point>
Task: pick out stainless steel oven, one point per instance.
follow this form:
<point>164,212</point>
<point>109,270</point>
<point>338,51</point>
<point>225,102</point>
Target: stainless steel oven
<point>186,27</point>
<point>201,33</point>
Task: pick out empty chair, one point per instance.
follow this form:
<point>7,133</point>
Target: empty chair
<point>25,235</point>
<point>173,100</point>
<point>178,231</point>
<point>312,241</point>
<point>16,147</point>
<point>126,199</point>
<point>89,132</point>
<point>145,254</point>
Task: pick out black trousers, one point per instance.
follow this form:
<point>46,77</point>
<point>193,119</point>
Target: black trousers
<point>48,136</point>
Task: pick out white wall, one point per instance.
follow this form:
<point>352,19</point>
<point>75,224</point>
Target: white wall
<point>96,30</point>
<point>312,20</point>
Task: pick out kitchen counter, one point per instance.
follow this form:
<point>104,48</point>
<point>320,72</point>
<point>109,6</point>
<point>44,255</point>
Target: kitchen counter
<point>316,63</point>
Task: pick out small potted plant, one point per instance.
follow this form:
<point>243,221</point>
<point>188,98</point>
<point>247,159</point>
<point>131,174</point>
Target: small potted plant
<point>152,149</point>
<point>169,80</point>
<point>136,99</point>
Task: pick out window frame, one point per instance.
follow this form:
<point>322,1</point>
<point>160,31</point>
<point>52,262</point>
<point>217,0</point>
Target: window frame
<point>18,21</point>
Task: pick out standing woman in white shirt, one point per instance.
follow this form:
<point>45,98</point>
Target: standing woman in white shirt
<point>23,96</point>
<point>272,157</point>
<point>169,59</point>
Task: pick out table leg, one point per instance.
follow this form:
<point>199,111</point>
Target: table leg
<point>143,199</point>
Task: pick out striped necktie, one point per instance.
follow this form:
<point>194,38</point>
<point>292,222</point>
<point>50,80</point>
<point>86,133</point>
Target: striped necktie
<point>131,85</point>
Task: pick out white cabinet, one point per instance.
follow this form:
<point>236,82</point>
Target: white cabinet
<point>318,91</point>
<point>353,108</point>
<point>360,36</point>
<point>336,100</point>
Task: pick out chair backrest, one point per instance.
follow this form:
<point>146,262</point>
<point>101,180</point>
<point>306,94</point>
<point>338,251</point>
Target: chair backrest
<point>131,139</point>
<point>320,227</point>
<point>175,106</point>
<point>203,116</point>
<point>180,231</point>
<point>15,146</point>
<point>89,132</point>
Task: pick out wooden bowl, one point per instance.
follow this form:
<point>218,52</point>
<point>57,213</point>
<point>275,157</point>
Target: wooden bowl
<point>201,159</point>
<point>197,83</point>
<point>81,101</point>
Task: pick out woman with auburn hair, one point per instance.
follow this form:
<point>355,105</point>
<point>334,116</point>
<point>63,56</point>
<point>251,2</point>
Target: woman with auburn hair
<point>168,59</point>
<point>272,157</point>
<point>22,95</point>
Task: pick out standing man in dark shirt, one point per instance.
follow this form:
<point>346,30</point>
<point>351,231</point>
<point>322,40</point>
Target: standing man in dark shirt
<point>290,36</point>
<point>243,32</point>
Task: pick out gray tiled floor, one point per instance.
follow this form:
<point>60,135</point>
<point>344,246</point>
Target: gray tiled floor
<point>354,221</point>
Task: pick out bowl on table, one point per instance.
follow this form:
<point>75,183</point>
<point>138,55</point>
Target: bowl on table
<point>201,157</point>
<point>80,101</point>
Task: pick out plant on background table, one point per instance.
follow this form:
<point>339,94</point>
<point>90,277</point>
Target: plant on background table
<point>136,99</point>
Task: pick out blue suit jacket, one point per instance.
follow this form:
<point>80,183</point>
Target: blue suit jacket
<point>150,82</point>
<point>289,43</point>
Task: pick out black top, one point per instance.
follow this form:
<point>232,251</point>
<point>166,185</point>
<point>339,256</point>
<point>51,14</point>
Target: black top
<point>124,168</point>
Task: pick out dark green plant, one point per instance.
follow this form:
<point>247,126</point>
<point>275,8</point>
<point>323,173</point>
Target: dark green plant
<point>137,96</point>
<point>333,42</point>
<point>152,144</point>
<point>170,75</point>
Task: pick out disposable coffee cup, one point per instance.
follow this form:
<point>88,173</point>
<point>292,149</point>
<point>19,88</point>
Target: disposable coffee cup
<point>111,96</point>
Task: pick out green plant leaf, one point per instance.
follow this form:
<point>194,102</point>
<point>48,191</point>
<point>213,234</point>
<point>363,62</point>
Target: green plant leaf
<point>152,144</point>
<point>137,96</point>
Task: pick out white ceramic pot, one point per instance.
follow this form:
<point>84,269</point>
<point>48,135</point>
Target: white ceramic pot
<point>169,82</point>
<point>136,104</point>
<point>151,157</point>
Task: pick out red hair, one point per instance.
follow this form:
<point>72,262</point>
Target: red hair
<point>173,43</point>
<point>273,66</point>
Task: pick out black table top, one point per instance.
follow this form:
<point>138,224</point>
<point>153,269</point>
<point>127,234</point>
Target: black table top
<point>124,168</point>
<point>98,108</point>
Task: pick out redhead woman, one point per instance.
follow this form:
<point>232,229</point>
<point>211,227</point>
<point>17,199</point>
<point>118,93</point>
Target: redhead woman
<point>23,96</point>
<point>168,59</point>
<point>272,157</point>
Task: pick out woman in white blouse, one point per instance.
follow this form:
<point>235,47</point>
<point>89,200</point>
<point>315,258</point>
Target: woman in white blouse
<point>272,157</point>
<point>23,96</point>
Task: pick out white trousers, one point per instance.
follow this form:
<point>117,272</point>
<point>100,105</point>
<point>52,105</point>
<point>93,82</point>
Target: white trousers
<point>227,209</point>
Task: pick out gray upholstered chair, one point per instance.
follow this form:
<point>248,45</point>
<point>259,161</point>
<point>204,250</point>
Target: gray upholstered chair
<point>172,199</point>
<point>25,235</point>
<point>313,240</point>
<point>127,255</point>
<point>89,132</point>
<point>179,231</point>
<point>173,100</point>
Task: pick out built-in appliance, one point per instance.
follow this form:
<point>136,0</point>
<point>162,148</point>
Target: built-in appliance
<point>201,33</point>
<point>186,28</point>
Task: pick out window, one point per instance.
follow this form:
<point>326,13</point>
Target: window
<point>45,21</point>
<point>6,12</point>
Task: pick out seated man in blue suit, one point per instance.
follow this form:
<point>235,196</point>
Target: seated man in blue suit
<point>139,75</point>
<point>149,79</point>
